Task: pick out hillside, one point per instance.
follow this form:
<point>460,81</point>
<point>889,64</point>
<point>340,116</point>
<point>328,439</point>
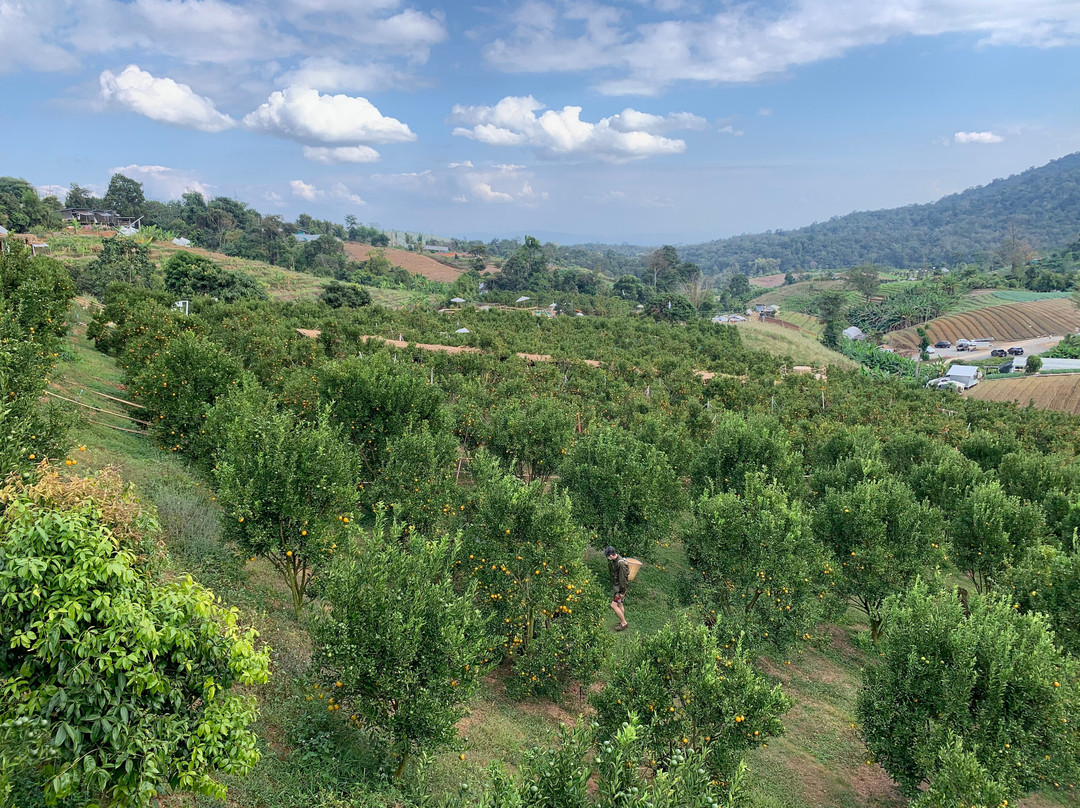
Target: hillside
<point>1040,206</point>
<point>1008,322</point>
<point>416,263</point>
<point>1060,393</point>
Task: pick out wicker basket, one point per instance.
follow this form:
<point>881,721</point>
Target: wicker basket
<point>633,565</point>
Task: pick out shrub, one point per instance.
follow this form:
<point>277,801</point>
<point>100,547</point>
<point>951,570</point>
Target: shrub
<point>138,695</point>
<point>189,274</point>
<point>994,680</point>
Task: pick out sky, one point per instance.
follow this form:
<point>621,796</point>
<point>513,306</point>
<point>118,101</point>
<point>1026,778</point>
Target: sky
<point>641,121</point>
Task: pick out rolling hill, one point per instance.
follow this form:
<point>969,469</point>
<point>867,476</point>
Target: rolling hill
<point>1040,206</point>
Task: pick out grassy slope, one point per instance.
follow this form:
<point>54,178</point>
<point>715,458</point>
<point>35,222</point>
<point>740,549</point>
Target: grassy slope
<point>804,349</point>
<point>819,762</point>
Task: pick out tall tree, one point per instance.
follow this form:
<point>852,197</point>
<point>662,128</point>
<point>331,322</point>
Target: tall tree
<point>125,196</point>
<point>79,197</point>
<point>864,280</point>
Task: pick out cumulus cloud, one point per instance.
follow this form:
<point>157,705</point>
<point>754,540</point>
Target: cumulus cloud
<point>341,154</point>
<point>465,182</point>
<point>162,182</point>
<point>309,117</point>
<point>337,192</point>
<point>29,32</point>
<point>977,137</point>
<point>555,133</point>
<point>162,99</point>
<point>746,42</point>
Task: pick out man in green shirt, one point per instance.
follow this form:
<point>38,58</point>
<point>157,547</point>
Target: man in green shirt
<point>620,582</point>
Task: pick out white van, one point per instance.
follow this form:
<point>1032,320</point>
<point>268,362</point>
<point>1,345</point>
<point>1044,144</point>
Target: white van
<point>981,343</point>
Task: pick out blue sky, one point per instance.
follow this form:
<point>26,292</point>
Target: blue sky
<point>644,121</point>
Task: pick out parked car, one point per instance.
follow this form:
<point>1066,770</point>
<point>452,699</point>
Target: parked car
<point>998,352</point>
<point>1016,350</point>
<point>943,344</point>
<point>963,344</point>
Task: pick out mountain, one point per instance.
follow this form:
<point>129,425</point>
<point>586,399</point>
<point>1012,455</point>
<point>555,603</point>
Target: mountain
<point>1039,207</point>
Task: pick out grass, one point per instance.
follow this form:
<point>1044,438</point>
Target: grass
<point>802,349</point>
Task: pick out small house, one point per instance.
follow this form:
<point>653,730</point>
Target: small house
<point>967,375</point>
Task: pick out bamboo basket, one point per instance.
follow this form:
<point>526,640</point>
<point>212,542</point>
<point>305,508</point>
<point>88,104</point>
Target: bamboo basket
<point>633,565</point>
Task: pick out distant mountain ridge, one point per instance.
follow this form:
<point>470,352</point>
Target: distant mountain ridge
<point>1040,206</point>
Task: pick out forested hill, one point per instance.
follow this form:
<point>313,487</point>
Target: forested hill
<point>1039,207</point>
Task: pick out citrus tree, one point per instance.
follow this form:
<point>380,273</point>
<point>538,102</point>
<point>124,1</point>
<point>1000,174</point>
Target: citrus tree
<point>623,489</point>
<point>741,445</point>
<point>993,679</point>
<point>286,487</point>
<point>132,677</point>
<point>398,647</point>
<point>989,530</point>
<point>691,693</point>
<point>525,553</point>
<point>881,538</point>
<point>1048,581</point>
<point>756,551</point>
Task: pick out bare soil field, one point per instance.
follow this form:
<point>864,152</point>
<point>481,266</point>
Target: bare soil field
<point>768,281</point>
<point>1057,392</point>
<point>415,263</point>
<point>1012,321</point>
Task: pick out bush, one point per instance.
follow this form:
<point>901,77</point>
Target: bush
<point>1034,364</point>
<point>188,274</point>
<point>344,295</point>
<point>138,696</point>
<point>994,680</point>
<point>398,647</point>
<point>691,693</point>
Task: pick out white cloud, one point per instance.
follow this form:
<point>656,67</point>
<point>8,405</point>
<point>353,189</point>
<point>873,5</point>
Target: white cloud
<point>59,191</point>
<point>328,74</point>
<point>338,192</point>
<point>161,182</point>
<point>554,133</point>
<point>28,31</point>
<point>746,42</point>
<point>728,129</point>
<point>307,116</point>
<point>162,100</point>
<point>977,137</point>
<point>464,182</point>
<point>303,190</point>
<point>341,154</point>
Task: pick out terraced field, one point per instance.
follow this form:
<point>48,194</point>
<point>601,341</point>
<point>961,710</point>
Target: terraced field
<point>1046,392</point>
<point>1011,321</point>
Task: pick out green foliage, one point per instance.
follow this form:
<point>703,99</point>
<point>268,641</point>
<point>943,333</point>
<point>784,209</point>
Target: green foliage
<point>693,694</point>
<point>133,676</point>
<point>527,268</point>
<point>989,530</point>
<point>961,780</point>
<point>123,259</point>
<point>532,436</point>
<point>994,680</point>
<point>344,295</point>
<point>767,575</point>
<point>286,487</point>
<point>526,555</point>
<point>623,489</point>
<point>398,647</point>
<point>1033,364</point>
<point>189,274</point>
<point>1048,581</point>
<point>177,380</point>
<point>882,540</point>
<point>34,297</point>
<point>742,445</point>
<point>124,196</point>
<point>21,209</point>
<point>374,400</point>
<point>415,481</point>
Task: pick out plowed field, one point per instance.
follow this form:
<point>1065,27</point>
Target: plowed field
<point>1000,323</point>
<point>415,263</point>
<point>1058,392</point>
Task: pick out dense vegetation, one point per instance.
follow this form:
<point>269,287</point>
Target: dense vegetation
<point>433,517</point>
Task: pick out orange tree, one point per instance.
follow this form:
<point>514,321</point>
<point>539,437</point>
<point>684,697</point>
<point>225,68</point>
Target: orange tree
<point>742,444</point>
<point>526,556</point>
<point>882,539</point>
<point>994,679</point>
<point>399,647</point>
<point>990,530</point>
<point>1048,581</point>
<point>286,487</point>
<point>623,489</point>
<point>129,677</point>
<point>34,297</point>
<point>766,574</point>
<point>691,693</point>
